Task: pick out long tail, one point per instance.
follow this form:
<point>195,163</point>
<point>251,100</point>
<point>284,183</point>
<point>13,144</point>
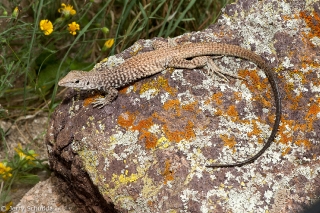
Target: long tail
<point>233,50</point>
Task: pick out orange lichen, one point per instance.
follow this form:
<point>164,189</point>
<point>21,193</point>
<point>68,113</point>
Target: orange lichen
<point>306,143</point>
<point>218,112</point>
<point>207,102</point>
<point>294,100</point>
<point>126,119</point>
<point>311,115</point>
<point>286,137</point>
<point>177,136</point>
<point>216,98</point>
<point>230,142</point>
<point>237,95</point>
<point>173,105</point>
<point>123,90</point>
<point>90,100</point>
<point>256,130</point>
<point>142,127</point>
<point>255,85</point>
<point>286,151</point>
<point>313,111</point>
<point>301,127</point>
<point>143,124</point>
<point>286,17</point>
<point>151,139</point>
<point>190,106</point>
<point>233,113</point>
<point>252,74</point>
<point>288,127</point>
<point>167,173</point>
<point>313,23</point>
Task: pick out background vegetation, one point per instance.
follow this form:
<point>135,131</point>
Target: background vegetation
<point>42,40</point>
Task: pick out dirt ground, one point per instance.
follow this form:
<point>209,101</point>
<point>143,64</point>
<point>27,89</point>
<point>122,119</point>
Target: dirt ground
<point>30,131</point>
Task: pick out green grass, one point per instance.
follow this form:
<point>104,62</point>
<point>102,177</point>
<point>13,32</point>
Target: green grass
<point>31,63</point>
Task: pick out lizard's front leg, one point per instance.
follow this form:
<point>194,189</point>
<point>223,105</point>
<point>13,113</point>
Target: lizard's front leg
<point>112,93</point>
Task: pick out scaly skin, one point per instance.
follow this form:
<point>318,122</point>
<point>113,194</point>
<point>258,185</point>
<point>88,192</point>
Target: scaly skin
<point>149,63</point>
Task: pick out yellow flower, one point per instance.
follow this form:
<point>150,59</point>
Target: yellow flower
<point>73,27</point>
<point>15,12</point>
<point>46,26</point>
<point>108,44</point>
<point>31,155</point>
<point>67,10</point>
<point>5,171</point>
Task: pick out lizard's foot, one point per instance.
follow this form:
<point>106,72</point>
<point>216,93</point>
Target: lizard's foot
<point>213,68</point>
<point>101,102</point>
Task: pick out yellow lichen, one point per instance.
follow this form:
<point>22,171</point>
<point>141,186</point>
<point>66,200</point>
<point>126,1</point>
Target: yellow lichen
<point>157,84</point>
<point>127,179</point>
<point>163,143</point>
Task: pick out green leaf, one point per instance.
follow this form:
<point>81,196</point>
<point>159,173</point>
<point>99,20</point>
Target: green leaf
<point>46,77</point>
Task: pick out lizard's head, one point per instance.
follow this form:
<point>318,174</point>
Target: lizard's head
<point>79,79</point>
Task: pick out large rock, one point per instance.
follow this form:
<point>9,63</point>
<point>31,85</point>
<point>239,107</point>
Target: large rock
<point>147,150</point>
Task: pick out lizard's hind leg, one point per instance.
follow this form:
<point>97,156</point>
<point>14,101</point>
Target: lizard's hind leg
<point>200,61</point>
<point>213,68</point>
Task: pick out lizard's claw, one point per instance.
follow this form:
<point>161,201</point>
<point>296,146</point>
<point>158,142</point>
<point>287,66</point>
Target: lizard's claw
<point>213,68</point>
<point>101,102</point>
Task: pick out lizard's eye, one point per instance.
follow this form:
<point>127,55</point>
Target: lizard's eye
<point>88,83</point>
<point>77,81</point>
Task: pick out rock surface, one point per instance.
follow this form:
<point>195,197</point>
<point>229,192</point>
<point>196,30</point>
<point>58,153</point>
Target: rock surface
<point>45,197</point>
<point>147,150</point>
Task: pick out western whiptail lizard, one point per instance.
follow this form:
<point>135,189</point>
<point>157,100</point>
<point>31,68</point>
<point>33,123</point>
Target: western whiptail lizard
<point>163,57</point>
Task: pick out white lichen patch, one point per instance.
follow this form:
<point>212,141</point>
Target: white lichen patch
<point>164,97</point>
<point>111,62</point>
<point>187,195</point>
<point>177,75</point>
<point>129,89</point>
<point>245,201</point>
<point>130,146</point>
<point>186,97</point>
<point>155,129</point>
<point>315,88</point>
<point>315,41</point>
<point>150,93</point>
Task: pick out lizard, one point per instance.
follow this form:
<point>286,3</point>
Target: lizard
<point>167,56</point>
